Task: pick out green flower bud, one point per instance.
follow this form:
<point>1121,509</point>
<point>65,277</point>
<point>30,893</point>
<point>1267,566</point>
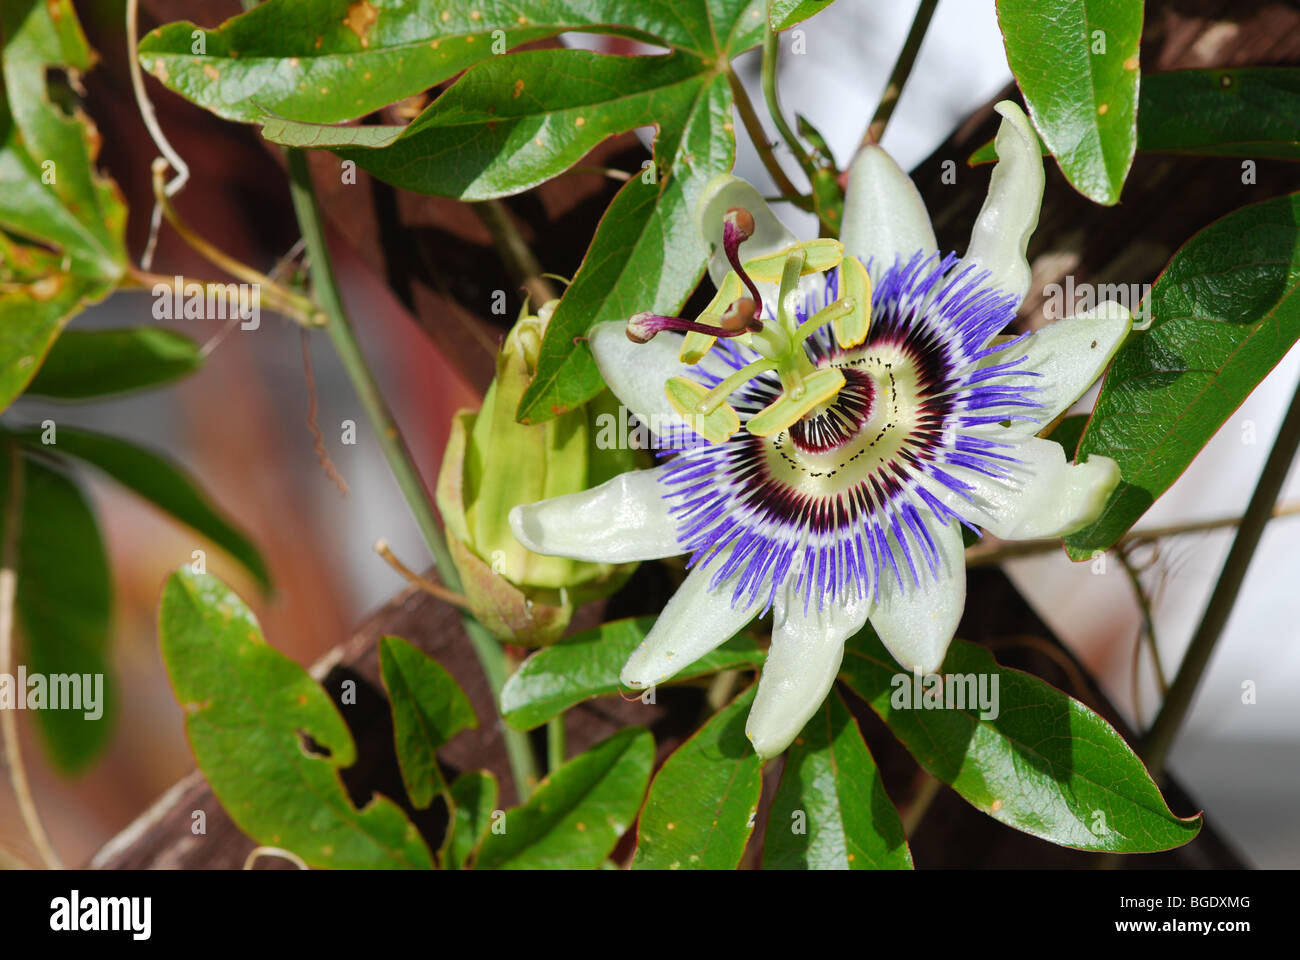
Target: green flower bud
<point>492,464</point>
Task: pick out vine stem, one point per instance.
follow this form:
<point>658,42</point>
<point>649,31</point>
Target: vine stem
<point>490,654</point>
<point>898,77</point>
<point>754,127</point>
<point>9,718</point>
<point>1164,730</point>
<point>771,54</point>
<point>980,556</point>
<point>556,748</point>
<point>521,265</point>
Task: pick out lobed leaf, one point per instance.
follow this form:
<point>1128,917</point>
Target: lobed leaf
<point>831,811</point>
<point>1241,112</point>
<point>64,607</point>
<point>249,710</point>
<point>587,665</point>
<point>429,708</point>
<point>577,813</point>
<point>84,364</point>
<point>160,481</point>
<point>1224,312</point>
<point>1029,756</point>
<point>702,803</point>
<point>1076,62</point>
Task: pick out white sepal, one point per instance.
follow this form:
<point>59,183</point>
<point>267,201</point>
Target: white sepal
<point>625,519</point>
<point>801,665</point>
<point>695,621</point>
<point>1010,212</point>
<point>917,622</point>
<point>884,215</point>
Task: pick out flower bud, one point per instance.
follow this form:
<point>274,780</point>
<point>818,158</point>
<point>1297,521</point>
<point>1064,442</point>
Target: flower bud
<point>493,463</point>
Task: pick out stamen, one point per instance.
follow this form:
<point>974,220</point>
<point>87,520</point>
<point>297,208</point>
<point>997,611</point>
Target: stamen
<point>714,398</point>
<point>737,227</point>
<point>741,317</point>
<point>642,327</point>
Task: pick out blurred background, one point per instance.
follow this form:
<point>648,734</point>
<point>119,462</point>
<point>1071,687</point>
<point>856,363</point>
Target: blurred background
<point>418,274</point>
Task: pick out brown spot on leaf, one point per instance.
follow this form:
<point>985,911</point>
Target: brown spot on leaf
<point>1131,63</point>
<point>1101,111</point>
<point>519,87</point>
<point>361,17</point>
<point>159,70</point>
<point>46,288</point>
<point>211,72</point>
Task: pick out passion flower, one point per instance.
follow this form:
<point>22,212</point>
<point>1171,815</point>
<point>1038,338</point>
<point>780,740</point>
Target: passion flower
<point>826,448</point>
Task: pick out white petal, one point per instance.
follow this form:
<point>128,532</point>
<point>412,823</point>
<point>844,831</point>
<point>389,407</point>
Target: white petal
<point>884,215</point>
<point>917,623</point>
<point>721,194</point>
<point>637,372</point>
<point>623,520</point>
<point>1010,211</point>
<point>1045,496</point>
<point>695,621</point>
<point>1069,354</point>
<point>801,666</point>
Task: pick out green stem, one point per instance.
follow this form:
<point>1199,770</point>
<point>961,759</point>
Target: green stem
<point>771,53</point>
<point>555,745</point>
<point>1156,744</point>
<point>521,265</point>
<point>490,654</point>
<point>754,127</point>
<point>902,69</point>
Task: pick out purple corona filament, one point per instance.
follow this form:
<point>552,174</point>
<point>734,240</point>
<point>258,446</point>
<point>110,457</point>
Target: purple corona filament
<point>839,501</point>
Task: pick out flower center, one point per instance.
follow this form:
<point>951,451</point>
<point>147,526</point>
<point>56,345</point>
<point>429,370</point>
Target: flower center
<point>885,420</point>
<point>838,421</point>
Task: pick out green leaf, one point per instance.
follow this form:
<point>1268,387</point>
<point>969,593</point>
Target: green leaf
<point>161,482</point>
<point>474,795</point>
<point>577,814</point>
<point>248,709</point>
<point>701,806</point>
<point>513,122</point>
<point>509,123</point>
<point>1076,62</point>
<point>786,13</point>
<point>64,607</point>
<point>323,61</point>
<point>429,708</point>
<point>587,665</point>
<point>1224,312</point>
<point>1035,759</point>
<point>647,253</point>
<point>96,363</point>
<point>61,223</point>
<point>1245,112</point>
<point>831,811</point>
<point>326,60</point>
